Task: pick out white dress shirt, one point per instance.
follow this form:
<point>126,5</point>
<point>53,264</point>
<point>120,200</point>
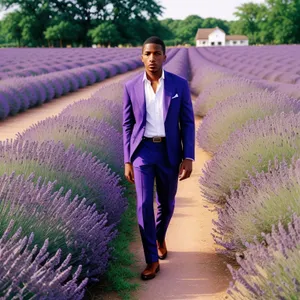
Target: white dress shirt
<point>155,125</point>
<point>154,107</point>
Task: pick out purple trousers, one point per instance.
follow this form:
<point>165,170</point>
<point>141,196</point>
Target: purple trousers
<point>150,163</point>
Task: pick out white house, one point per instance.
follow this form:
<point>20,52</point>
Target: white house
<point>209,37</point>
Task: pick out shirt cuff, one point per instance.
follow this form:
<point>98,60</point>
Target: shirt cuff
<point>189,158</point>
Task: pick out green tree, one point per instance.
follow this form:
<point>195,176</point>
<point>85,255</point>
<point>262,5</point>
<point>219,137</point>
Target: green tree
<point>63,31</point>
<point>284,19</point>
<point>251,18</point>
<point>11,27</point>
<point>184,31</point>
<point>187,30</point>
<point>88,15</point>
<point>274,22</point>
<point>173,26</point>
<point>36,16</point>
<point>105,34</point>
<point>213,22</point>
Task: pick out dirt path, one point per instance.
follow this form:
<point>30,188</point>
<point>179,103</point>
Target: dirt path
<point>12,125</point>
<point>192,270</point>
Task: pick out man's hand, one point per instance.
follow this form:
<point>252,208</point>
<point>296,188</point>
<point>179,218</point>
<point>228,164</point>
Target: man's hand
<point>186,169</point>
<point>129,172</point>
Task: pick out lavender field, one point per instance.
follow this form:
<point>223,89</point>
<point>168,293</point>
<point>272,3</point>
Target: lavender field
<point>249,99</point>
<point>62,191</point>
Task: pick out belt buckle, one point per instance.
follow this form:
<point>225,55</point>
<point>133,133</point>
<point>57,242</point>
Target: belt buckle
<point>157,139</point>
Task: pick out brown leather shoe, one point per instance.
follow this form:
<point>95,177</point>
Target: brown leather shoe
<point>162,249</point>
<point>150,271</point>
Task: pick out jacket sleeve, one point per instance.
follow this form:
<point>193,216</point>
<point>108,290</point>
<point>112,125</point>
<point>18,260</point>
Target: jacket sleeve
<point>187,124</point>
<point>128,122</point>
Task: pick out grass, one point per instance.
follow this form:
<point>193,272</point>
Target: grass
<point>119,274</point>
<point>119,271</point>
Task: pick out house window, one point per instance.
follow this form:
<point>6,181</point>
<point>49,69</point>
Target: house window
<point>203,42</point>
<point>234,42</point>
<point>212,43</point>
<point>241,42</point>
<point>219,43</point>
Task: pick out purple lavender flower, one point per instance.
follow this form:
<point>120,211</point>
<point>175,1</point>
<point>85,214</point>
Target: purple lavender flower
<point>249,150</point>
<point>4,107</point>
<point>70,224</point>
<point>270,272</point>
<point>113,91</point>
<point>97,107</point>
<point>26,270</point>
<point>203,72</point>
<point>87,134</point>
<point>293,90</point>
<point>255,208</point>
<point>81,172</point>
<point>12,99</point>
<point>179,64</point>
<point>53,77</point>
<point>222,90</point>
<point>236,111</point>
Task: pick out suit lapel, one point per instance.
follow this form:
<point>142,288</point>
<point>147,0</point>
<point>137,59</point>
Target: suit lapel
<point>167,94</point>
<point>140,95</point>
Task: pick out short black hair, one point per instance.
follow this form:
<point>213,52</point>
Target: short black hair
<point>155,40</point>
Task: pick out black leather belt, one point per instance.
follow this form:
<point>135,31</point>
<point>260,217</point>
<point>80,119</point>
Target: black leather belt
<point>155,139</point>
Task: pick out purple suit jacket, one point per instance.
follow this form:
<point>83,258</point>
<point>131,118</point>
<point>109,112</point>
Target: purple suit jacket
<point>178,117</point>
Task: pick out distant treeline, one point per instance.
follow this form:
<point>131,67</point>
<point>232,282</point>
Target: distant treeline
<point>45,23</point>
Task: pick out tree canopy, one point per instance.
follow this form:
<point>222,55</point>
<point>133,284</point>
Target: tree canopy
<point>42,20</point>
<point>272,22</point>
<point>129,22</point>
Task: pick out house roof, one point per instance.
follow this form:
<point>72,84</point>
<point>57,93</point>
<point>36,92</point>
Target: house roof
<point>203,33</point>
<point>236,37</point>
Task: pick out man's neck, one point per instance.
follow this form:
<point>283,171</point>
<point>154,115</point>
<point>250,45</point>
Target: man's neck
<point>154,76</point>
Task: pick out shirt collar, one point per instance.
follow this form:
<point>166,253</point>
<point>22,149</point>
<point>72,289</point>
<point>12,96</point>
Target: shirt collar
<point>161,78</point>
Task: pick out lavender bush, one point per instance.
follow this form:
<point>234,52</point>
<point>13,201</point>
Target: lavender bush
<point>70,225</point>
<point>179,64</point>
<point>203,72</point>
<point>271,197</point>
<point>85,133</point>
<point>4,107</point>
<point>98,108</point>
<point>73,169</point>
<point>236,111</point>
<point>34,62</point>
<point>27,272</point>
<point>249,150</point>
<point>272,272</point>
<point>12,100</point>
<point>113,91</point>
<point>222,90</point>
<point>23,93</point>
<point>291,90</point>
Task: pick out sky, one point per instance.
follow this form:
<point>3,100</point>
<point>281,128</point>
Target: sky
<point>180,9</point>
<point>221,9</point>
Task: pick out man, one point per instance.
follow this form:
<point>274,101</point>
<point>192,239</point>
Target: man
<point>159,145</point>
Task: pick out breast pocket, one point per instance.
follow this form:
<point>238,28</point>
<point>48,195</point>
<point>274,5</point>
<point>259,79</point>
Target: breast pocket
<point>175,104</point>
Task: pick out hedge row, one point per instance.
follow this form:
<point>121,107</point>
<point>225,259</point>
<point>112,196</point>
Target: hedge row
<point>253,133</point>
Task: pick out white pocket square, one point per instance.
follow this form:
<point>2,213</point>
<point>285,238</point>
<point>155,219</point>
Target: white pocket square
<point>176,96</point>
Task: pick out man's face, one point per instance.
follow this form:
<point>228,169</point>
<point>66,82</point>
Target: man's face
<point>153,57</point>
